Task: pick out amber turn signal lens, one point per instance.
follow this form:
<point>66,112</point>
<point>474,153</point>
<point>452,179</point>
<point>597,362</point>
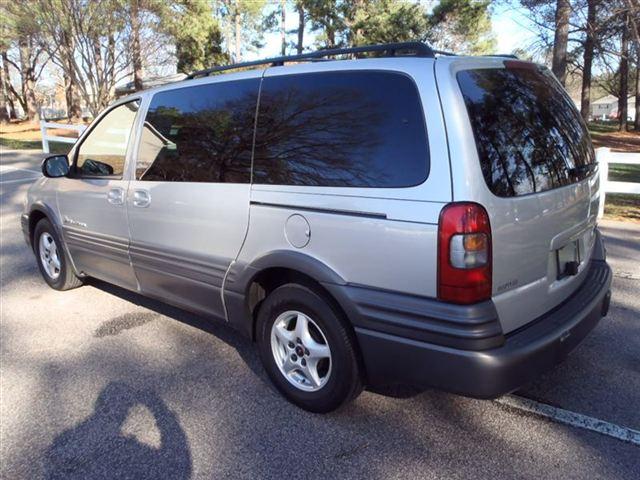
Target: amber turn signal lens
<point>475,242</point>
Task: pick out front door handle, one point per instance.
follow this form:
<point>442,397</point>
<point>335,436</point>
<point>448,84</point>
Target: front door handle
<point>141,198</point>
<point>115,196</point>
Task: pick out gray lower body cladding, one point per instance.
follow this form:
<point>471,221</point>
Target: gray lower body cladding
<point>524,355</point>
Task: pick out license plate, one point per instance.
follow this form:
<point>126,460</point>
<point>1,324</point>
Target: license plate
<point>568,255</point>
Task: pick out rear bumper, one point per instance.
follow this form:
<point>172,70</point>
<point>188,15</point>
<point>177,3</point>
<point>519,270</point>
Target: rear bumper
<point>488,373</point>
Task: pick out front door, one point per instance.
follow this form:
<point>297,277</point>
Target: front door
<point>92,199</point>
<point>189,202</point>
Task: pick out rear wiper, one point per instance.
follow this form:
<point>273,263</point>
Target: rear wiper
<point>581,169</point>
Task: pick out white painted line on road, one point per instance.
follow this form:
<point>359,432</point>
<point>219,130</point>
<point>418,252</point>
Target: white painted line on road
<point>572,418</point>
<point>28,179</point>
<point>7,168</point>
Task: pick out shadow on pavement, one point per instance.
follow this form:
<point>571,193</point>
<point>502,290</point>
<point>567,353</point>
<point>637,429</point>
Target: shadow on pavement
<point>98,449</point>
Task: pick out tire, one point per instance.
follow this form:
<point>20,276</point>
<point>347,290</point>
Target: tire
<point>337,379</point>
<point>59,275</point>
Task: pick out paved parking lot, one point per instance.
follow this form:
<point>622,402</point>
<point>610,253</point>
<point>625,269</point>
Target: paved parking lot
<point>98,383</point>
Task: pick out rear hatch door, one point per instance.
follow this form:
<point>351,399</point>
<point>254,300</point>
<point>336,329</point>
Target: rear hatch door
<point>532,167</point>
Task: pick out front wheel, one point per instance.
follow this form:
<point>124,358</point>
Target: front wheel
<point>307,350</point>
<point>52,261</point>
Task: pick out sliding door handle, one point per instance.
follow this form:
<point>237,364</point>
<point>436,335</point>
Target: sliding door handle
<point>115,196</point>
<point>141,198</point>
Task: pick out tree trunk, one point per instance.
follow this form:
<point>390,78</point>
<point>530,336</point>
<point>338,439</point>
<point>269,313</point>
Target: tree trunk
<point>331,37</point>
<point>4,113</point>
<point>5,87</point>
<point>237,35</point>
<point>636,120</point>
<point>283,30</point>
<point>623,93</point>
<point>136,54</point>
<point>561,38</point>
<point>71,89</point>
<point>585,103</point>
<point>301,24</point>
<point>28,82</point>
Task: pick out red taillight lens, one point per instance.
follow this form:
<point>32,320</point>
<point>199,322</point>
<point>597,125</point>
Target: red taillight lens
<point>464,254</point>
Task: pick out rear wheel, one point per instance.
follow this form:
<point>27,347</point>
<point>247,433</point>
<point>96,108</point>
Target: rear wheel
<point>52,261</point>
<point>307,350</point>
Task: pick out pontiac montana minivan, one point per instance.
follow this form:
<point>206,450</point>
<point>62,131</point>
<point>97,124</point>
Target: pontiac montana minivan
<point>410,217</point>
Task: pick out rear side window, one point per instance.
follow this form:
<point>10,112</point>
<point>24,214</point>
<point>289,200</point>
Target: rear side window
<point>200,134</point>
<point>343,129</point>
<point>529,135</point>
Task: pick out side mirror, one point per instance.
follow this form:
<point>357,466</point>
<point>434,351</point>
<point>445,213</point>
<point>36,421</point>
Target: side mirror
<point>55,166</point>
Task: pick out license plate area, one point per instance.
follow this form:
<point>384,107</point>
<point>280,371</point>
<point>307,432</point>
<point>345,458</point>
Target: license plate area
<point>568,259</point>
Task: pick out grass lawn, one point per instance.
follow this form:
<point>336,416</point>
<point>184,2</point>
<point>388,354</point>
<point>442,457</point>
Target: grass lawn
<point>16,144</point>
<point>622,206</point>
<point>622,172</point>
<point>607,135</point>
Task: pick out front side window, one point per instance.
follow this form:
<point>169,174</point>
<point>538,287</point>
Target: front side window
<point>343,129</point>
<point>102,153</point>
<point>200,134</point>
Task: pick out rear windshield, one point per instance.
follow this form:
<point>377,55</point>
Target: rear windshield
<point>529,135</point>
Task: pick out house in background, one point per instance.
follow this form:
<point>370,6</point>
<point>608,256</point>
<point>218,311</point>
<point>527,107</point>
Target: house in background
<point>606,108</point>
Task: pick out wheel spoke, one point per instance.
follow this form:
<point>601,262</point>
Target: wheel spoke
<point>288,366</point>
<point>302,328</point>
<point>317,350</point>
<point>55,260</point>
<point>285,336</point>
<point>311,372</point>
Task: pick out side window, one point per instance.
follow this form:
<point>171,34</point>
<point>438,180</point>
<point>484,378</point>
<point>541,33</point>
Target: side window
<point>103,151</point>
<point>343,129</point>
<point>200,134</point>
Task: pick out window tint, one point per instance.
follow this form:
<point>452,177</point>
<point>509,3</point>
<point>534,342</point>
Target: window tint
<point>199,134</point>
<point>103,151</point>
<point>530,137</point>
<point>344,129</point>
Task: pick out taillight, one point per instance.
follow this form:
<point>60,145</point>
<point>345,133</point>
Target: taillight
<point>464,254</point>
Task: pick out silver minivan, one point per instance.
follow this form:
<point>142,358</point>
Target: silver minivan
<point>402,216</point>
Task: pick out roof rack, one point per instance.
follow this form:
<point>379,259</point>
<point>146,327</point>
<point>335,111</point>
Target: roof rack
<point>445,53</point>
<point>417,49</point>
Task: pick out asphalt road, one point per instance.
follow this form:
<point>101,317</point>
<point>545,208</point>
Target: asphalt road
<point>100,383</point>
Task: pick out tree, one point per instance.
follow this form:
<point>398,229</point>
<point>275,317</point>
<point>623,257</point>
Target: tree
<point>589,45</point>
<point>385,21</point>
<point>623,92</point>
<point>283,28</point>
<point>241,23</point>
<point>20,31</point>
<point>196,34</point>
<point>462,26</point>
<point>302,23</point>
<point>329,18</point>
<point>4,100</point>
<point>560,41</point>
<point>136,53</point>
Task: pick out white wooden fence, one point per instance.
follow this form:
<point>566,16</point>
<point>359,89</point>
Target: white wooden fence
<point>605,156</point>
<point>52,138</point>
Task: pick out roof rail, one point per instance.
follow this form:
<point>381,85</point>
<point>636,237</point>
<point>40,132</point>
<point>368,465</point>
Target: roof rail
<point>418,49</point>
<point>445,53</point>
